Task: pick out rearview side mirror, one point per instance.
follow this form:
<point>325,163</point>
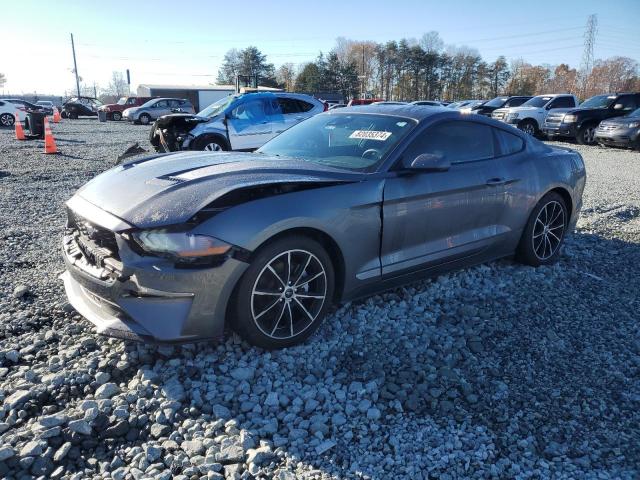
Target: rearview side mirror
<point>618,106</point>
<point>430,162</point>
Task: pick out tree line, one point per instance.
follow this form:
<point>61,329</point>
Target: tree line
<point>411,69</point>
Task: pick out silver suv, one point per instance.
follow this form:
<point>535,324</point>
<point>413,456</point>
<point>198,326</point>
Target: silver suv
<point>237,122</point>
<point>156,108</point>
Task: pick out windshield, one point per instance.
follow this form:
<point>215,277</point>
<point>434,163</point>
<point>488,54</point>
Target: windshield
<point>358,142</point>
<point>599,101</point>
<point>537,102</point>
<point>122,101</point>
<point>496,102</point>
<point>217,107</point>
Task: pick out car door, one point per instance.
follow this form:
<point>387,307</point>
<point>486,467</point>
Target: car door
<point>625,104</point>
<point>434,217</point>
<point>248,124</point>
<point>160,108</point>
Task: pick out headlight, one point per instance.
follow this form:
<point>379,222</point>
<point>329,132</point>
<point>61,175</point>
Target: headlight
<point>183,245</point>
<point>633,124</point>
<point>511,116</point>
<point>569,118</point>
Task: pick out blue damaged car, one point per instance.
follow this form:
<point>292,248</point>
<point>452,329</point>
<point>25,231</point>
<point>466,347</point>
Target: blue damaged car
<point>237,122</point>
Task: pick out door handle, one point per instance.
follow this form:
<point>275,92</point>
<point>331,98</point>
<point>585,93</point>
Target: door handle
<point>495,182</point>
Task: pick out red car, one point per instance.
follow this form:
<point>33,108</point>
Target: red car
<point>364,101</point>
<point>114,110</point>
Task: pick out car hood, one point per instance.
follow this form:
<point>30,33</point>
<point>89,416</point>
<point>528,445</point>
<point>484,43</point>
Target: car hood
<point>188,119</point>
<point>169,189</point>
<point>620,120</point>
<point>518,109</point>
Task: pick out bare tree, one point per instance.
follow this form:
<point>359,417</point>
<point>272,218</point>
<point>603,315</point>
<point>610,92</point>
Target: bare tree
<point>3,80</point>
<point>118,86</point>
<point>285,76</point>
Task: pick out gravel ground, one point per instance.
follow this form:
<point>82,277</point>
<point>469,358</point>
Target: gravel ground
<point>499,371</point>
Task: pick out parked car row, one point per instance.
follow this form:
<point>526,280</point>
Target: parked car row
<point>9,107</point>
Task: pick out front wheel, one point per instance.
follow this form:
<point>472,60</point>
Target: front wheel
<point>528,126</point>
<point>7,120</point>
<point>586,135</point>
<point>117,116</point>
<point>544,233</point>
<point>285,293</point>
<point>210,143</point>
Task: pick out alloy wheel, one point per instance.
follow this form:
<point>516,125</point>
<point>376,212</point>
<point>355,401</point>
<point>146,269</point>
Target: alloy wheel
<point>529,128</point>
<point>548,230</point>
<point>6,120</point>
<point>589,135</point>
<point>213,147</point>
<point>288,294</point>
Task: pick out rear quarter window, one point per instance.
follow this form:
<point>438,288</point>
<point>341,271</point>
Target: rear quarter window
<point>508,143</point>
<point>304,106</point>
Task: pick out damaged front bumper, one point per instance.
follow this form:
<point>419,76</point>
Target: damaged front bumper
<point>143,297</point>
<point>172,133</point>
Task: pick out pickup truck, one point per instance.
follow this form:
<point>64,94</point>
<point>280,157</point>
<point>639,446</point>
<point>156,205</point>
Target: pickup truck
<point>581,123</point>
<point>530,116</point>
<point>114,110</point>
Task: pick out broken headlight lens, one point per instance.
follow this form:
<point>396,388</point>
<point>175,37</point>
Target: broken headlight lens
<point>183,245</point>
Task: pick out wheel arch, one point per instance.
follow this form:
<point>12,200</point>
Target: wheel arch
<point>530,119</point>
<point>566,196</point>
<point>327,242</point>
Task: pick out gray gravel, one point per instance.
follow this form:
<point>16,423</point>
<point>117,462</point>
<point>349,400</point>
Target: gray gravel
<point>499,371</point>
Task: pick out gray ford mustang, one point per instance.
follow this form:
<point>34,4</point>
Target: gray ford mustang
<point>174,247</point>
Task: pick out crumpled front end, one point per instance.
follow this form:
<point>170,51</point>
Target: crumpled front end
<point>129,294</point>
<point>172,133</point>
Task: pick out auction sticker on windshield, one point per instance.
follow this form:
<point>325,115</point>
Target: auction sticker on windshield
<point>370,135</point>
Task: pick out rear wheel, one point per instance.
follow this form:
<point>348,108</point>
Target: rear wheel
<point>144,119</point>
<point>528,126</point>
<point>117,116</point>
<point>7,120</point>
<point>285,293</point>
<point>586,135</point>
<point>544,233</point>
<point>211,143</point>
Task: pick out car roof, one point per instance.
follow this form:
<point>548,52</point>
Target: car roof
<point>403,110</point>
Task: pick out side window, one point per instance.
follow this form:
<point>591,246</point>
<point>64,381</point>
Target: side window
<point>628,103</point>
<point>132,101</point>
<point>304,106</point>
<point>562,102</point>
<point>288,105</point>
<point>508,142</point>
<point>455,141</point>
<point>175,103</point>
<point>252,110</point>
<point>161,104</point>
<point>515,102</point>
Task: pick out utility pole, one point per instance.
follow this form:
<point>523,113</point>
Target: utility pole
<point>587,55</point>
<point>75,65</point>
<point>363,93</point>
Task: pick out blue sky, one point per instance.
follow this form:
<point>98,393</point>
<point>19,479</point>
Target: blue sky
<point>184,41</point>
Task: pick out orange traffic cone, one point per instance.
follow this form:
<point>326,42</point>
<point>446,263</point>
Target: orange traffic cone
<point>49,142</point>
<point>56,115</point>
<point>19,130</point>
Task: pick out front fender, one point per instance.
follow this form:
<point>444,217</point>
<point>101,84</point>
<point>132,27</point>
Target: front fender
<point>348,213</point>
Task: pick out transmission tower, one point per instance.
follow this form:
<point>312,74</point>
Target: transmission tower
<point>587,54</point>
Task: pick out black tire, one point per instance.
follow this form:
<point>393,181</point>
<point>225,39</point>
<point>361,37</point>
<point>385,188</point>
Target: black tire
<point>7,120</point>
<point>144,119</point>
<point>538,245</point>
<point>206,142</point>
<point>64,114</point>
<point>529,126</point>
<point>73,115</point>
<point>296,315</point>
<point>116,116</point>
<point>586,134</point>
